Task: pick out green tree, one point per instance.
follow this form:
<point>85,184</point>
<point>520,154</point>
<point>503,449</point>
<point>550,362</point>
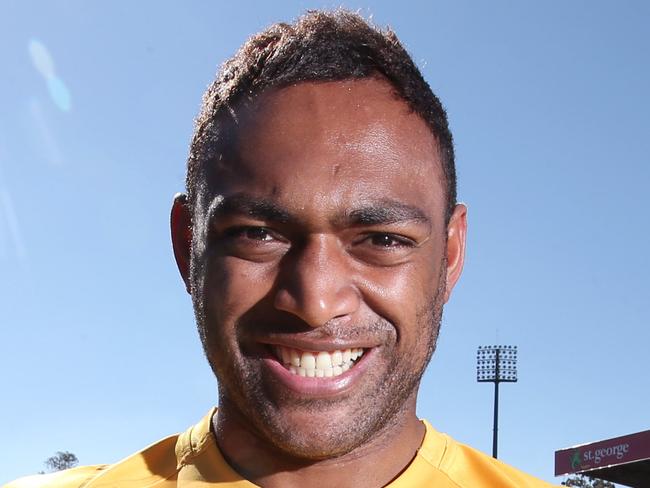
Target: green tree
<point>60,461</point>
<point>582,481</point>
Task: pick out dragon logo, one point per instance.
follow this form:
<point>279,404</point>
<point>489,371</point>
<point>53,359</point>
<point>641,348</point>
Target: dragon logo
<point>576,459</point>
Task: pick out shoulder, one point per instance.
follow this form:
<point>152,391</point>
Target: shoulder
<point>467,467</point>
<point>156,465</point>
<point>70,478</point>
<point>153,464</point>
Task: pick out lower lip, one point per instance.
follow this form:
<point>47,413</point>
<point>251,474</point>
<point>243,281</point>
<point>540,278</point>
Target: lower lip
<point>320,387</point>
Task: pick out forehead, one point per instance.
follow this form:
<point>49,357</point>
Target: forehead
<point>337,143</point>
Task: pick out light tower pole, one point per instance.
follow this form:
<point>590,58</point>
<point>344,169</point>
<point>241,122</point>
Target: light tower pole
<point>496,364</point>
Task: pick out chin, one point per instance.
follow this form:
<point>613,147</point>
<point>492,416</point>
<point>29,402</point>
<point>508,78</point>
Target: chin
<point>313,446</point>
<point>317,431</point>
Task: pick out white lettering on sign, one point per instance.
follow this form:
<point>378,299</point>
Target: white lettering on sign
<point>597,455</point>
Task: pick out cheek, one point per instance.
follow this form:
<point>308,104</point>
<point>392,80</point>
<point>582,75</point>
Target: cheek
<point>235,286</point>
<point>400,295</point>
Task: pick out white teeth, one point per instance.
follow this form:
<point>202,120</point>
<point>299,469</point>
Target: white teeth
<point>337,358</point>
<point>308,360</point>
<point>295,358</point>
<point>324,360</point>
<point>321,364</point>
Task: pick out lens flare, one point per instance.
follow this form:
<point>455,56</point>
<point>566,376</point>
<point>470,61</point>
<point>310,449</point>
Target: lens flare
<point>59,93</point>
<point>41,58</point>
<point>44,64</point>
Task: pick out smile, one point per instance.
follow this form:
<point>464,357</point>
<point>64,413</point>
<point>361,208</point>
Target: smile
<point>321,364</point>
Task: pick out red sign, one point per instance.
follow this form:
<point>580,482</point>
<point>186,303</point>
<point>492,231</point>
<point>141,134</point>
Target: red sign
<point>620,450</point>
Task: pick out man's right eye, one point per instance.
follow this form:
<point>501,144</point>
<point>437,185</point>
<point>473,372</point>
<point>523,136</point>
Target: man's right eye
<point>250,233</point>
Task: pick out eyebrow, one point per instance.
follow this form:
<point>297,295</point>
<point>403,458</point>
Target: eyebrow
<point>386,212</point>
<point>380,212</point>
<point>243,204</point>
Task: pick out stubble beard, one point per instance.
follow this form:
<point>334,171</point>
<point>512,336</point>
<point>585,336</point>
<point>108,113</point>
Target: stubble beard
<point>383,404</point>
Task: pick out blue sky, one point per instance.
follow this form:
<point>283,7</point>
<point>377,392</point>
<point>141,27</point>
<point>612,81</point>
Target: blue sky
<point>549,107</point>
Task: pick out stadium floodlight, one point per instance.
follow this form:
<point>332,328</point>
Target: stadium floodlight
<point>496,364</point>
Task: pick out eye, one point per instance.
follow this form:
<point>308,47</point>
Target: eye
<point>252,233</point>
<point>388,241</point>
<point>383,248</point>
<point>254,243</point>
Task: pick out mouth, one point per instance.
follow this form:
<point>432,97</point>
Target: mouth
<point>317,364</point>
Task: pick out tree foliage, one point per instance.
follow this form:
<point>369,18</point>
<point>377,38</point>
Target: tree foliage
<point>581,481</point>
<point>60,461</point>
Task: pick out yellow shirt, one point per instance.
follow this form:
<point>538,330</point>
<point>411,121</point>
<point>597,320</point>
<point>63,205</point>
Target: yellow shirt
<point>192,459</point>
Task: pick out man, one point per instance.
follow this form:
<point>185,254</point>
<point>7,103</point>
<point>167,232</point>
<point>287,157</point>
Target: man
<point>319,238</point>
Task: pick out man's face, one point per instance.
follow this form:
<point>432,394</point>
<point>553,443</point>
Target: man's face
<point>319,265</point>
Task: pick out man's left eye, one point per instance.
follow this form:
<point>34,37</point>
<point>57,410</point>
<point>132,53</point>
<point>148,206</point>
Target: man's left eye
<point>389,241</point>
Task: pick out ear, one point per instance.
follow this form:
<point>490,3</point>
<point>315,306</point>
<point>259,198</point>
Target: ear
<point>456,235</point>
<point>181,229</point>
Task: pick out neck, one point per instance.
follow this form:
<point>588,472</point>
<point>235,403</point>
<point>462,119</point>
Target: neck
<point>375,463</point>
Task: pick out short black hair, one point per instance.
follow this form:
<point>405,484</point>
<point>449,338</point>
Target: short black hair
<point>319,46</point>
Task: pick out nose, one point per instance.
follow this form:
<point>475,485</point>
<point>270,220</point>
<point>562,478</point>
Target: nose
<point>315,283</point>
